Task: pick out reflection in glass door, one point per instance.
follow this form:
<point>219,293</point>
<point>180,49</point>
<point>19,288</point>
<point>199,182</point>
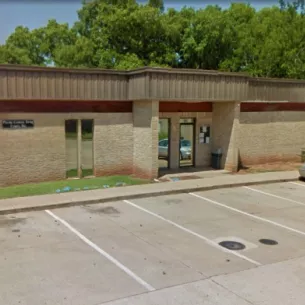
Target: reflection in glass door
<point>164,143</point>
<point>71,148</point>
<point>87,148</point>
<point>187,143</point>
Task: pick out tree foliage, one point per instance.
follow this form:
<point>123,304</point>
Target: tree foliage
<point>123,34</point>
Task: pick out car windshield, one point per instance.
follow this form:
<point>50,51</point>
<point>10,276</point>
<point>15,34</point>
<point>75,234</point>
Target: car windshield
<point>163,143</point>
<point>185,143</point>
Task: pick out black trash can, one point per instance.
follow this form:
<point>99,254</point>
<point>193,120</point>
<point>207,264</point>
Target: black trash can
<point>303,155</point>
<point>216,160</point>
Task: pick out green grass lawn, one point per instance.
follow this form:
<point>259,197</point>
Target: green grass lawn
<point>85,136</point>
<point>75,185</point>
<point>73,173</point>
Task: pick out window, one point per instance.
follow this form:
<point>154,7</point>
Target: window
<point>79,163</point>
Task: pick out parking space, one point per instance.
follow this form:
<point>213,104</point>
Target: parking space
<point>147,250</point>
<point>42,263</point>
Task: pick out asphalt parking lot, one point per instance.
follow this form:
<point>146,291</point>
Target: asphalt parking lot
<point>161,250</point>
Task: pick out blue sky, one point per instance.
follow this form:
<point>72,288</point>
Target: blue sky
<point>36,13</point>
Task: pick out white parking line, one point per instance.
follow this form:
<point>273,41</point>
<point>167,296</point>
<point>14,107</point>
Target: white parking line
<point>102,252</point>
<point>275,196</point>
<point>299,184</point>
<point>249,215</point>
<point>208,241</point>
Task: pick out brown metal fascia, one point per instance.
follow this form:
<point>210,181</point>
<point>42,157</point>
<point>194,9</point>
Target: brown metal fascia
<point>276,80</point>
<point>144,70</point>
<point>186,72</point>
<point>21,68</point>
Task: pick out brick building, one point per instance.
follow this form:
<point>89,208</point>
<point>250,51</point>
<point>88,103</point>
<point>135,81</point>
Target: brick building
<point>252,120</point>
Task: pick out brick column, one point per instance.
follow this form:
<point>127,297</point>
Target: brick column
<point>174,142</point>
<point>225,129</point>
<point>79,149</point>
<point>145,138</point>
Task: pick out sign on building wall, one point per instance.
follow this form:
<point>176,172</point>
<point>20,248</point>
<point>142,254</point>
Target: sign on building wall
<point>17,124</point>
<point>204,134</point>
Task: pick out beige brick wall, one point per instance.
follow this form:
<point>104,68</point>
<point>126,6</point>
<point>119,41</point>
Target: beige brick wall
<point>113,144</point>
<point>225,132</point>
<point>202,151</point>
<point>271,136</point>
<point>126,143</point>
<point>39,154</point>
<point>145,138</point>
<point>31,155</point>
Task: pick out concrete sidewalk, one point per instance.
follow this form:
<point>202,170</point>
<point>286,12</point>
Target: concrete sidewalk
<point>42,202</point>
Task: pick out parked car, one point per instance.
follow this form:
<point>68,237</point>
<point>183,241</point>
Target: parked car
<point>185,149</point>
<point>302,172</point>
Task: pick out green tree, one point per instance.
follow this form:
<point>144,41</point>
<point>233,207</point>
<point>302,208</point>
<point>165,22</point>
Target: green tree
<point>23,47</point>
<point>123,34</point>
<point>78,55</point>
<point>266,43</point>
<point>176,24</point>
<point>53,37</point>
<point>241,49</point>
<point>159,4</point>
<point>205,43</point>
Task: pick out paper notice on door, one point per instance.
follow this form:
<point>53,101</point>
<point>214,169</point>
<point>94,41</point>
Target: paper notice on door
<point>207,140</point>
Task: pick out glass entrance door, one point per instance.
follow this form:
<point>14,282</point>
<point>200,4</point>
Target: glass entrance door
<point>71,127</point>
<point>187,142</point>
<point>87,147</point>
<point>164,143</point>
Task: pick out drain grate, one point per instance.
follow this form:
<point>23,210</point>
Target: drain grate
<point>232,245</point>
<point>269,242</point>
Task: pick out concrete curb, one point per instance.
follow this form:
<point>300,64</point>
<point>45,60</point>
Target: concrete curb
<point>65,204</point>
